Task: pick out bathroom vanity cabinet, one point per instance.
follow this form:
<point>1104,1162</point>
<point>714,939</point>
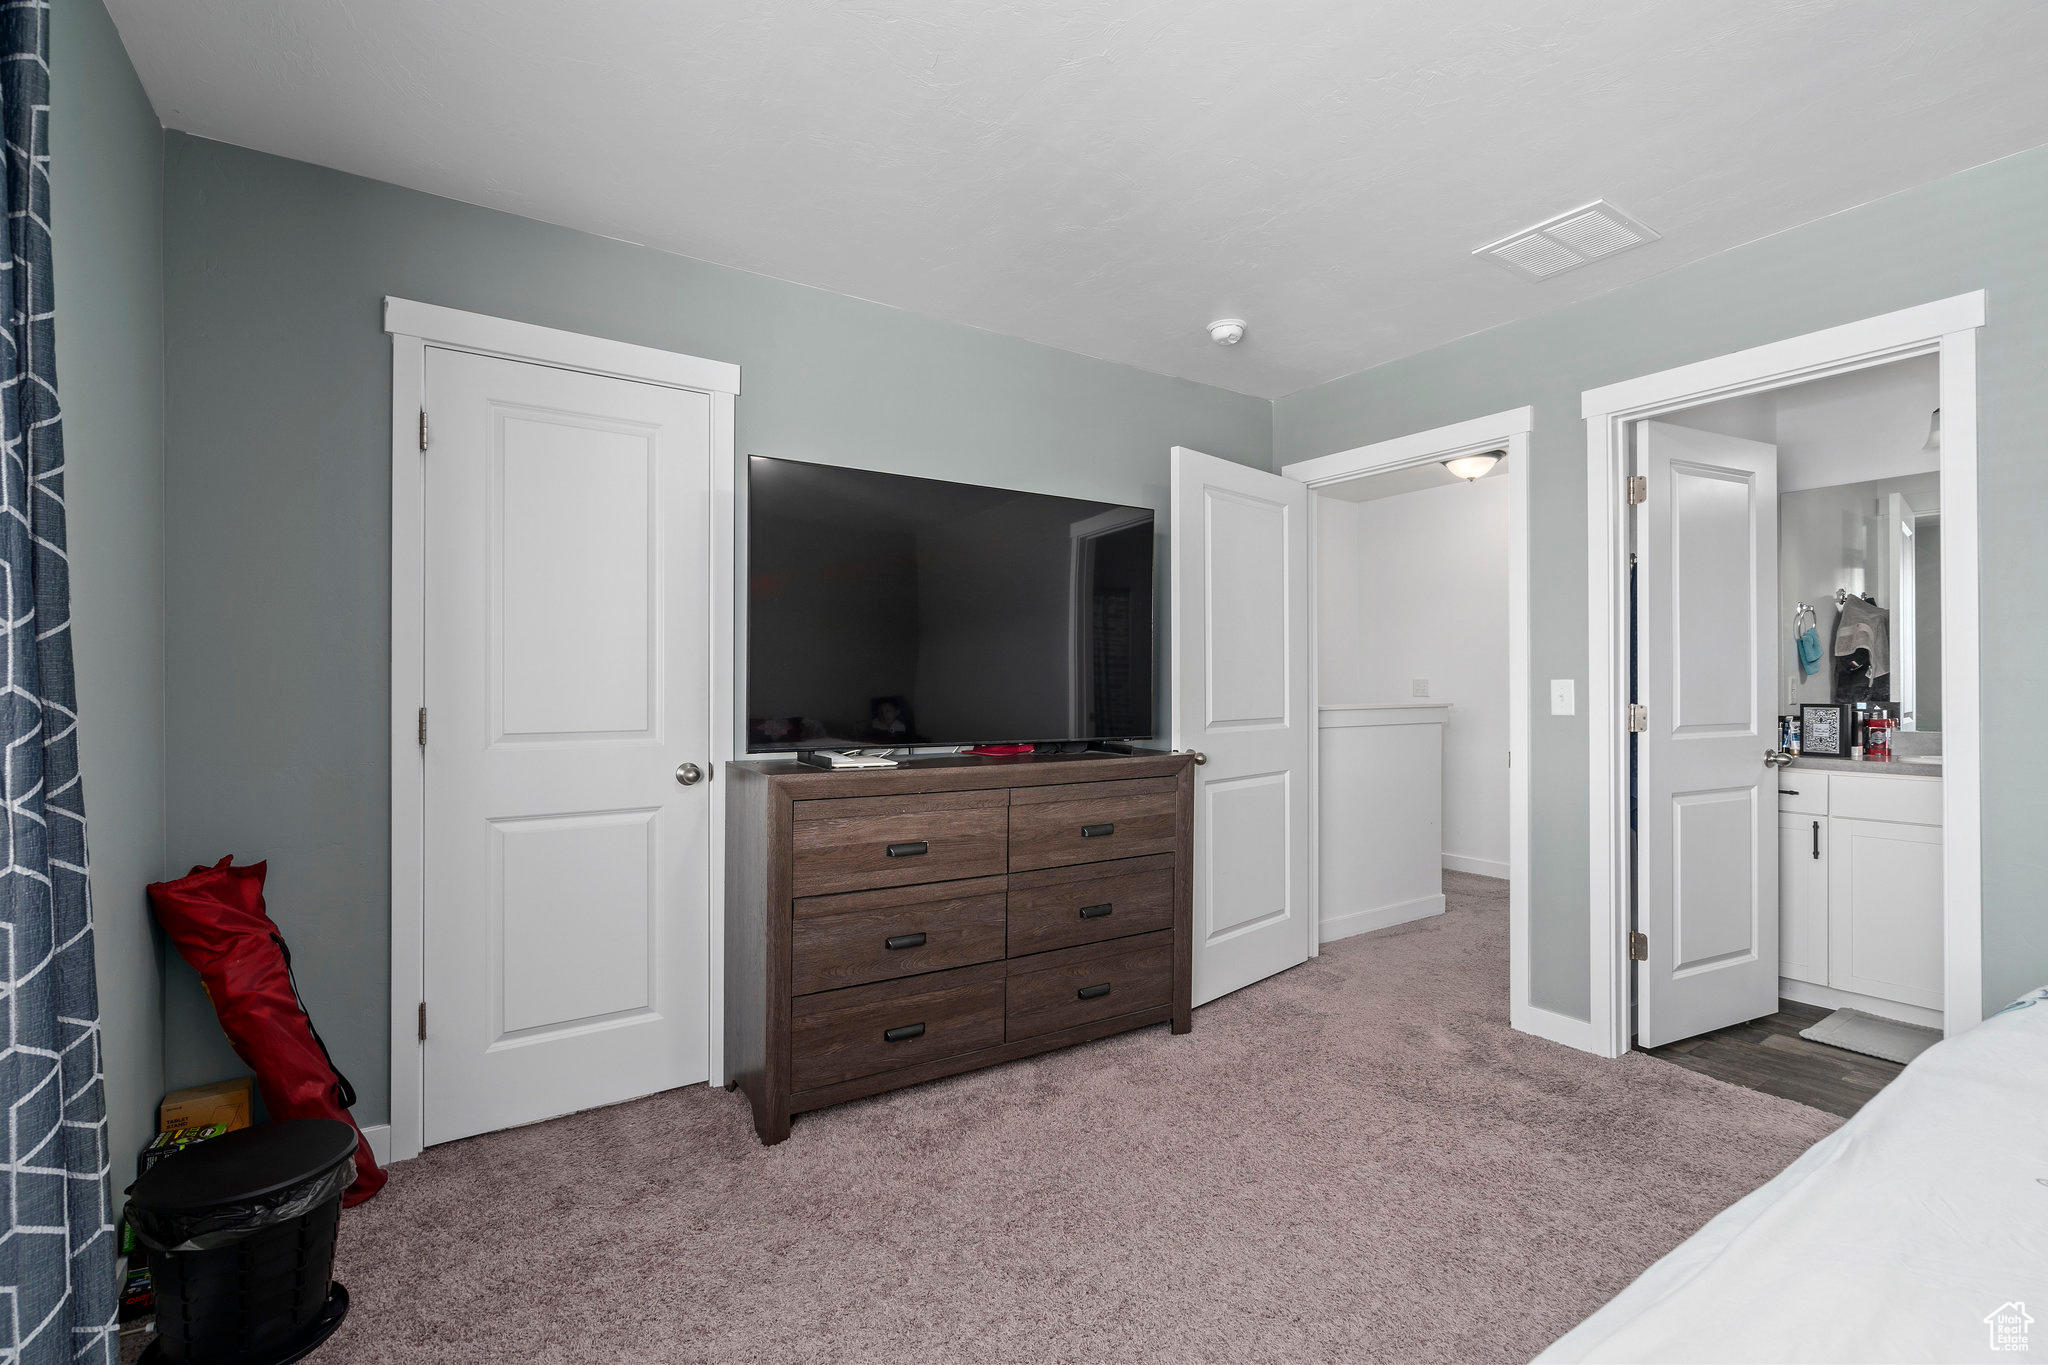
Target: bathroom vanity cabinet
<point>1860,890</point>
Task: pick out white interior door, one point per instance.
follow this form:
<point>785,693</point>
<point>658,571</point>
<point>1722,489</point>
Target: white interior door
<point>1241,696</point>
<point>567,677</point>
<point>1707,811</point>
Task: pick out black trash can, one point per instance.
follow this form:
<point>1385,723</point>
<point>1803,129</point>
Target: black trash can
<point>240,1233</point>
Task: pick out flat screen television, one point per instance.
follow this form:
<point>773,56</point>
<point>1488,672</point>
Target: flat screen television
<point>886,612</point>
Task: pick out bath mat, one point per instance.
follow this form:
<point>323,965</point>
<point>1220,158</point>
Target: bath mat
<point>1855,1031</point>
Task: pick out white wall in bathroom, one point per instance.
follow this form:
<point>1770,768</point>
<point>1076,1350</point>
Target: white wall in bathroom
<point>1416,586</point>
<point>1852,428</point>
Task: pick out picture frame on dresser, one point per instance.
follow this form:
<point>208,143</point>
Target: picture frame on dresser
<point>886,928</point>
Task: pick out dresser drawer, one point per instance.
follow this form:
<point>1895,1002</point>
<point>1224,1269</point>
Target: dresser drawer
<point>866,842</point>
<point>1092,822</point>
<point>1061,907</point>
<point>864,936</point>
<point>865,1030</point>
<point>1080,985</point>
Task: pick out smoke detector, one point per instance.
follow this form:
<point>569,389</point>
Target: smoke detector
<point>1567,241</point>
<point>1227,331</point>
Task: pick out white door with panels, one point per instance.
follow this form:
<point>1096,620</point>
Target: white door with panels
<point>567,656</point>
<point>1241,697</point>
<point>1707,810</point>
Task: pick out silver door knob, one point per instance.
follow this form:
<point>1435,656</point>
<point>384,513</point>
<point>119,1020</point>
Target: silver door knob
<point>689,774</point>
<point>1778,758</point>
<point>1200,758</point>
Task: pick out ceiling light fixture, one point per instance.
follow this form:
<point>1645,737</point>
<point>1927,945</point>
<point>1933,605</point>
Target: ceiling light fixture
<point>1471,468</point>
<point>1227,331</point>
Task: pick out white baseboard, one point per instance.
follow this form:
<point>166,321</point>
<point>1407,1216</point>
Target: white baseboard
<point>1383,917</point>
<point>1828,998</point>
<point>378,1135</point>
<point>1478,867</point>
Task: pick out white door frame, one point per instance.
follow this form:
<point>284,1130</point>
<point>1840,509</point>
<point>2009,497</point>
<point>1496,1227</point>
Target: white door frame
<point>1502,430</point>
<point>1947,328</point>
<point>413,328</point>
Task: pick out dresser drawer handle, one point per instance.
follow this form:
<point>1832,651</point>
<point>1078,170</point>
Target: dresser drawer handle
<point>895,941</point>
<point>1097,831</point>
<point>1096,911</point>
<point>903,1034</point>
<point>909,850</point>
<point>1092,992</point>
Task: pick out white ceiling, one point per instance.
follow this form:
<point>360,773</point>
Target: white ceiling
<point>1107,176</point>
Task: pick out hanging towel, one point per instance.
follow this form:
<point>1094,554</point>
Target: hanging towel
<point>1865,625</point>
<point>1809,651</point>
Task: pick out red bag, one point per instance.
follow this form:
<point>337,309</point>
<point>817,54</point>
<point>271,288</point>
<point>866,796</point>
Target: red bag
<point>215,916</point>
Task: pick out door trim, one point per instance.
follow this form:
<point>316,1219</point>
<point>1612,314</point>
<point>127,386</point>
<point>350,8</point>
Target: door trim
<point>1511,430</point>
<point>413,327</point>
<point>1945,327</point>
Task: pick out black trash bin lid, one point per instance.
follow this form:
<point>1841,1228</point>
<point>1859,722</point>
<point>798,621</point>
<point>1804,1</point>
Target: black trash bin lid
<point>245,1165</point>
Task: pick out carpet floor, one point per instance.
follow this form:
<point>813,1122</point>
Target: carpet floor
<point>1354,1161</point>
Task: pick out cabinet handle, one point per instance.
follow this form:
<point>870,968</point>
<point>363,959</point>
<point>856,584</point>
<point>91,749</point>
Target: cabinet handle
<point>1092,992</point>
<point>1096,831</point>
<point>1816,838</point>
<point>1096,911</point>
<point>895,941</point>
<point>909,850</point>
<point>903,1034</point>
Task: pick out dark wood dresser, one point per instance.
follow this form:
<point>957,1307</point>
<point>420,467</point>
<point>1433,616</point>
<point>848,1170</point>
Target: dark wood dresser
<point>892,926</point>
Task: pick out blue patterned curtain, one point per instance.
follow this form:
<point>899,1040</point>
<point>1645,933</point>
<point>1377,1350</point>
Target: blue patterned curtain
<point>57,1298</point>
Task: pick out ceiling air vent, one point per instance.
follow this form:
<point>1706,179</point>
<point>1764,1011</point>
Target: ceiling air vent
<point>1567,241</point>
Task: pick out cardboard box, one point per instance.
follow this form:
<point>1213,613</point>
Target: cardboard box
<point>224,1102</point>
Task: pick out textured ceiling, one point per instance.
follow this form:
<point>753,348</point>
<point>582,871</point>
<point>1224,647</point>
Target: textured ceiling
<point>1109,175</point>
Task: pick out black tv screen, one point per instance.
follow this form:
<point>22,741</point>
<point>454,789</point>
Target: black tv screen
<point>885,611</point>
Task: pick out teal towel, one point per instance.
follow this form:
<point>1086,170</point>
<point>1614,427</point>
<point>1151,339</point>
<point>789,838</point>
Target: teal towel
<point>1809,651</point>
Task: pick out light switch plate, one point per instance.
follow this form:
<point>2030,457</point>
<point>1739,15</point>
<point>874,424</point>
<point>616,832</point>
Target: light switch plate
<point>1564,697</point>
<point>1418,687</point>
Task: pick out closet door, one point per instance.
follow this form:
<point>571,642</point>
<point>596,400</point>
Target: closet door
<point>1241,698</point>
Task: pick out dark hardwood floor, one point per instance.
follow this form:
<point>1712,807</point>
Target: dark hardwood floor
<point>1769,1055</point>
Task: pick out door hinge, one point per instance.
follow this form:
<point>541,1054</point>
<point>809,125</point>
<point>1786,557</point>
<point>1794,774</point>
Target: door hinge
<point>423,727</point>
<point>1638,951</point>
<point>423,428</point>
<point>1638,719</point>
<point>423,1021</point>
<point>1638,488</point>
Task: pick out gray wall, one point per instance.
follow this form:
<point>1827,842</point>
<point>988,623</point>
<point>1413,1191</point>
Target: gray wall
<point>279,495</point>
<point>106,152</point>
<point>1982,229</point>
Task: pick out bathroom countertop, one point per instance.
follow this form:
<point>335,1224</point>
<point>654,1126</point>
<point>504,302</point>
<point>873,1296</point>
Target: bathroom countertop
<point>1866,767</point>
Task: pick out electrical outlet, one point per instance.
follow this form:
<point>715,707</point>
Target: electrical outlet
<point>1418,687</point>
<point>1564,697</point>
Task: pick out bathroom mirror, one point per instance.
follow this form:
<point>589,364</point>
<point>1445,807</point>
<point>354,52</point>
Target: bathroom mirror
<point>1879,540</point>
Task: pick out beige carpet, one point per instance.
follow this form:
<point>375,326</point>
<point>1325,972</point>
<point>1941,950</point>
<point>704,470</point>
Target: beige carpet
<point>1354,1161</point>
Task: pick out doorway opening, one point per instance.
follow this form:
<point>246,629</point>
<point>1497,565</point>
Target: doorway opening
<point>1787,532</point>
<point>1418,676</point>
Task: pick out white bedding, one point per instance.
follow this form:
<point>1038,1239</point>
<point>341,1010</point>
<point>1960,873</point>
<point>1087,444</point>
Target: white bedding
<point>1892,1239</point>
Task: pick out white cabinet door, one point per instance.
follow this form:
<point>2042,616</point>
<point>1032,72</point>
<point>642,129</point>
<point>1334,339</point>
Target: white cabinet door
<point>1884,910</point>
<point>1240,695</point>
<point>1706,862</point>
<point>568,674</point>
<point>1803,897</point>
